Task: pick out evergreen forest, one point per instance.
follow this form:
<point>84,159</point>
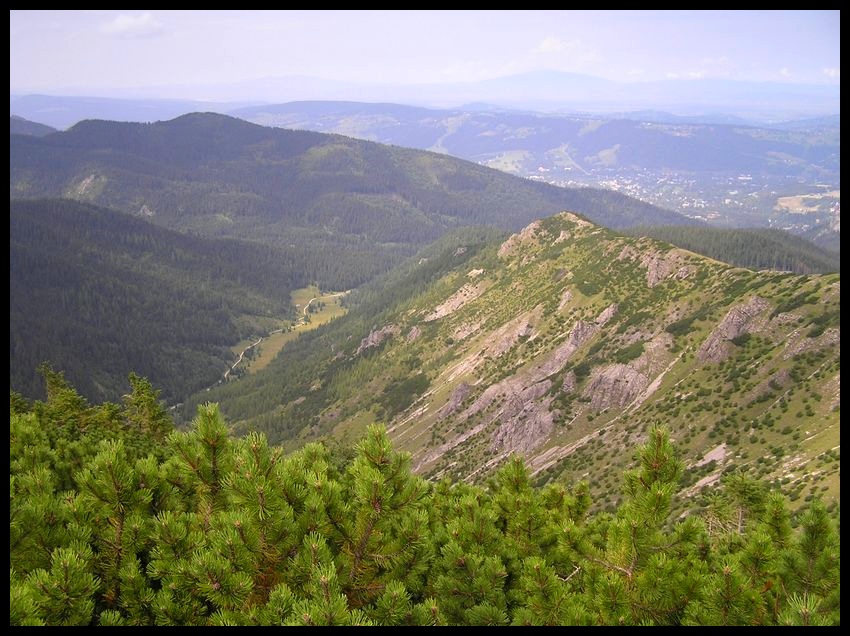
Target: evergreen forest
<point>117,519</point>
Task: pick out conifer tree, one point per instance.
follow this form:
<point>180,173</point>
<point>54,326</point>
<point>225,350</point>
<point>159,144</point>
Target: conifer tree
<point>811,570</point>
<point>64,593</point>
<point>379,523</point>
<point>204,529</point>
<point>116,506</point>
<point>143,410</point>
<point>644,574</point>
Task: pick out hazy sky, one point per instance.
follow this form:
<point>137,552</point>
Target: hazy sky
<point>74,51</point>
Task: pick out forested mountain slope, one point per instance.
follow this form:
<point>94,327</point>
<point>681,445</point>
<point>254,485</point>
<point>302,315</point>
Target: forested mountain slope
<point>723,171</point>
<point>99,294</point>
<point>564,344</point>
<point>365,203</point>
<point>753,248</point>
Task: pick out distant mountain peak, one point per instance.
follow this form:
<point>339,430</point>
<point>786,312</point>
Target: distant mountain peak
<point>21,126</point>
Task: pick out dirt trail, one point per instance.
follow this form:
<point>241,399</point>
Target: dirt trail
<point>301,322</point>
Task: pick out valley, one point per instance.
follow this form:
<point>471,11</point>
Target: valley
<point>100,294</point>
<point>315,309</point>
<point>265,211</point>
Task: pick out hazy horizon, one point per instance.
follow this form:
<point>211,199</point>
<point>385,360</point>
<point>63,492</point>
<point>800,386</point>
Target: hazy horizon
<point>182,53</point>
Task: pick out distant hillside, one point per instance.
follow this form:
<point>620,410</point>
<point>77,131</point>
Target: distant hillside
<point>830,122</point>
<point>365,203</point>
<point>754,248</point>
<point>565,344</point>
<point>21,126</point>
<point>827,237</point>
<point>715,168</point>
<point>99,294</point>
<point>569,145</point>
<point>63,111</point>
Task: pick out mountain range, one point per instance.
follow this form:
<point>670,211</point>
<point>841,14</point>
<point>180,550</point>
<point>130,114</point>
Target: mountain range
<point>301,191</point>
<point>722,172</point>
<point>538,90</point>
<point>103,291</point>
<point>584,143</point>
<point>296,197</point>
<point>713,166</point>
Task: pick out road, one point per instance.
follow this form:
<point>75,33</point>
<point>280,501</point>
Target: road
<point>300,323</point>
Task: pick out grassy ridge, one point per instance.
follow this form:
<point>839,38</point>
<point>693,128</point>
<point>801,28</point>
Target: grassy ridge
<point>572,342</point>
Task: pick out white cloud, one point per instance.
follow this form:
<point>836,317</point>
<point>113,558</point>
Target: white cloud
<point>785,72</point>
<point>833,72</point>
<point>133,26</point>
<point>672,76</point>
<point>553,45</point>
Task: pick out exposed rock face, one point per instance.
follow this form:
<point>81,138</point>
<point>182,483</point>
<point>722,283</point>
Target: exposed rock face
<point>462,296</point>
<point>580,333</point>
<point>530,234</point>
<point>609,312</point>
<point>614,385</point>
<point>832,390</point>
<point>739,320</point>
<point>659,266</point>
<point>89,185</point>
<point>526,422</point>
<point>785,318</point>
<point>414,333</point>
<point>563,236</point>
<point>657,346</point>
<point>498,343</point>
<point>465,330</point>
<point>513,386</point>
<point>376,337</point>
<point>575,218</point>
<point>515,241</point>
<point>655,363</point>
<point>455,400</point>
<point>717,454</point>
<point>475,273</point>
<point>829,338</point>
<point>781,377</point>
<point>569,384</point>
<point>508,334</point>
<point>566,297</point>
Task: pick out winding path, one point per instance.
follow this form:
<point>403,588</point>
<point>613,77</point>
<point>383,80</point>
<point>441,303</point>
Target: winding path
<point>301,322</point>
